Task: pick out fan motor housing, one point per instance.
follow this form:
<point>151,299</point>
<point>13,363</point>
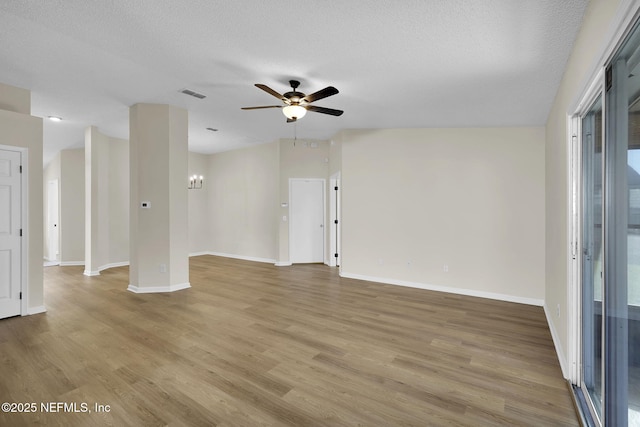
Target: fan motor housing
<point>294,96</point>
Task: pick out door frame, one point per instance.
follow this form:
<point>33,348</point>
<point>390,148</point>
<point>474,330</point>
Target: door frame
<point>574,272</point>
<point>334,215</point>
<point>24,220</point>
<point>324,214</point>
<point>575,311</point>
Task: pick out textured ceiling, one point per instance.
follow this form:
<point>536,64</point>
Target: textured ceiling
<point>405,63</point>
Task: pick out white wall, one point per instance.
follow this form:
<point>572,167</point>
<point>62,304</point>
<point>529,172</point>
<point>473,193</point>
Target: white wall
<point>51,172</point>
<point>72,207</point>
<point>15,99</point>
<point>106,187</point>
<point>424,197</point>
<point>68,166</point>
<point>19,129</point>
<point>297,159</point>
<point>242,187</point>
<point>118,201</point>
<point>199,214</point>
<point>415,200</point>
<point>335,153</point>
<point>594,35</point>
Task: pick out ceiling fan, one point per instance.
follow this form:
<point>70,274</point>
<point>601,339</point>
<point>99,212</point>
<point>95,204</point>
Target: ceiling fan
<point>296,104</point>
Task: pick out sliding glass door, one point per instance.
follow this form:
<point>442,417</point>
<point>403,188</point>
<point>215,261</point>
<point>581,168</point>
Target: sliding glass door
<point>592,257</point>
<point>610,236</point>
<point>622,259</point>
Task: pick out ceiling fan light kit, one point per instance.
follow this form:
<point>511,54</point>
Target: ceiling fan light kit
<point>296,104</point>
<point>294,112</point>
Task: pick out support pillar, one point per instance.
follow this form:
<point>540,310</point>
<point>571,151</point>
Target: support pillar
<point>96,240</point>
<point>159,253</point>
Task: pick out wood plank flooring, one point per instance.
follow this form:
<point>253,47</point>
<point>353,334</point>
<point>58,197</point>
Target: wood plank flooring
<point>251,344</point>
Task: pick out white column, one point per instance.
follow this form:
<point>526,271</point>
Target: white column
<point>96,247</point>
<point>159,253</point>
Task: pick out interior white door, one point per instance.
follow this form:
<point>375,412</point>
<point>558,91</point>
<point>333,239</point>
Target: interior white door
<point>306,212</point>
<point>52,223</point>
<point>10,240</point>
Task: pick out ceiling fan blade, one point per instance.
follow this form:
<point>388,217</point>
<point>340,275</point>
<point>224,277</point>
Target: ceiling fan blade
<point>324,110</point>
<point>271,91</point>
<point>323,93</point>
<point>259,108</point>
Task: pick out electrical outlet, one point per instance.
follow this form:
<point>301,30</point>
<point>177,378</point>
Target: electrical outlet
<point>380,261</point>
<point>445,268</point>
<point>162,268</point>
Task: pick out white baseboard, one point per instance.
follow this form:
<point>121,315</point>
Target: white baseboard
<point>158,289</point>
<point>71,263</point>
<point>114,265</point>
<point>283,264</point>
<point>199,253</point>
<point>246,258</point>
<point>459,291</point>
<point>36,310</point>
<point>192,254</point>
<point>105,267</point>
<point>556,343</point>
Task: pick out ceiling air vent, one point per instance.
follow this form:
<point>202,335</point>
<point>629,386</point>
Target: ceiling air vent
<point>192,93</point>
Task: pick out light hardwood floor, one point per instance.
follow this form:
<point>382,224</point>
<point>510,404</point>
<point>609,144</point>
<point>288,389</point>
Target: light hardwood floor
<point>252,344</point>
